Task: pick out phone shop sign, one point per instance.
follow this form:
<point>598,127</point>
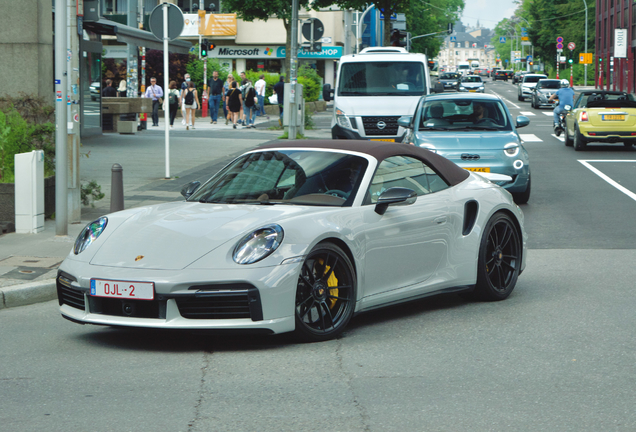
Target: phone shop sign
<point>265,52</point>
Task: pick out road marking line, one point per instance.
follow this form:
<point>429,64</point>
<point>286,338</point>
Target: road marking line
<point>562,139</point>
<point>507,101</point>
<point>621,188</point>
<point>530,138</point>
<point>526,113</point>
<point>548,113</point>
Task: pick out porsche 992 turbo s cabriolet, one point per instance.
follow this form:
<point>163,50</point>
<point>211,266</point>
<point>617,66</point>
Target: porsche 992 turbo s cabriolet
<point>298,236</point>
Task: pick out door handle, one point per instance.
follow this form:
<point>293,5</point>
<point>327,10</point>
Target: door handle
<point>440,220</point>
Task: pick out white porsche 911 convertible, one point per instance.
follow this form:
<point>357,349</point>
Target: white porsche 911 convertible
<point>298,236</point>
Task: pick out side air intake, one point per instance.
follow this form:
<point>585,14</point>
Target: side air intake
<point>470,216</point>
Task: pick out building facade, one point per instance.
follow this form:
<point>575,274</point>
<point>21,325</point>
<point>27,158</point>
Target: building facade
<point>467,45</point>
<point>615,62</point>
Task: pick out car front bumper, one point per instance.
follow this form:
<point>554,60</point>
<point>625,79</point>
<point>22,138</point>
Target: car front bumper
<point>520,177</point>
<point>250,299</point>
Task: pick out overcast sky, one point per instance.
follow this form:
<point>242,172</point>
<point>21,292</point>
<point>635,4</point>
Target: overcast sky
<point>488,12</point>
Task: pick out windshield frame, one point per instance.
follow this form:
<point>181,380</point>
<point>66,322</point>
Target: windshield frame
<point>459,116</point>
<point>387,83</point>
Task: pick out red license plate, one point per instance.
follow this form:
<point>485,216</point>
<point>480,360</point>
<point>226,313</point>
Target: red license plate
<point>123,289</point>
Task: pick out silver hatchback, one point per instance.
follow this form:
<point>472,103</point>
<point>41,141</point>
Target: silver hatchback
<point>477,132</point>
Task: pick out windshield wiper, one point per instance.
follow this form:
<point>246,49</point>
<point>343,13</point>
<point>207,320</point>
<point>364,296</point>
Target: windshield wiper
<point>476,127</point>
<point>438,128</point>
<point>353,93</point>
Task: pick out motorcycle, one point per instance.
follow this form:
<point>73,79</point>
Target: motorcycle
<point>560,127</point>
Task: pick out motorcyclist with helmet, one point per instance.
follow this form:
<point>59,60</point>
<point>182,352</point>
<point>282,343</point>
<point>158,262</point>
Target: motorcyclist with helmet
<point>565,95</point>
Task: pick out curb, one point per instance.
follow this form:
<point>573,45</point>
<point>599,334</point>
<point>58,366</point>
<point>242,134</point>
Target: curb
<point>29,293</point>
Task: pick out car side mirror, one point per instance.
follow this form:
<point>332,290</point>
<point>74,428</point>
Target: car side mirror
<point>395,196</point>
<point>438,88</point>
<point>522,121</point>
<point>327,92</point>
<point>190,188</point>
<point>405,122</point>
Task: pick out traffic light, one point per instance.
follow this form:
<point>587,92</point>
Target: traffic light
<point>398,38</point>
<point>204,48</point>
<point>450,28</point>
<point>570,59</point>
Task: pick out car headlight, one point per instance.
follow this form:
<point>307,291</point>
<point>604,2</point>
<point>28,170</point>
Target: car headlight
<point>342,119</point>
<point>429,147</point>
<point>461,87</point>
<point>258,244</point>
<point>89,234</point>
<point>511,149</point>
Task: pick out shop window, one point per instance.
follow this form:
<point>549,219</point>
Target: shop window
<point>263,65</point>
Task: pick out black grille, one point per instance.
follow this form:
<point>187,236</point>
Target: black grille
<point>470,157</point>
<point>371,126</point>
<point>127,308</point>
<point>222,302</point>
<point>67,295</point>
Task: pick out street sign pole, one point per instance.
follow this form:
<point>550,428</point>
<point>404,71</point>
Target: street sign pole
<point>61,149</point>
<point>293,108</point>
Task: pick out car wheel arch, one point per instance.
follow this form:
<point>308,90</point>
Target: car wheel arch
<point>342,245</point>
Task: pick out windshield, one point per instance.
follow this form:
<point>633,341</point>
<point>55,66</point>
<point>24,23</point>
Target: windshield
<point>553,84</point>
<point>382,79</point>
<point>449,76</point>
<point>533,79</point>
<point>463,115</point>
<point>472,78</point>
<point>288,176</point>
<point>463,67</point>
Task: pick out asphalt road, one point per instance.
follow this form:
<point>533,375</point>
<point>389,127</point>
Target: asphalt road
<point>558,355</point>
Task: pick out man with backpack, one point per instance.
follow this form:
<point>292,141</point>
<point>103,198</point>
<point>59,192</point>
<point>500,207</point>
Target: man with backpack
<point>249,103</point>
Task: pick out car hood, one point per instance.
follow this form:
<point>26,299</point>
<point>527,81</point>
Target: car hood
<point>371,105</point>
<point>529,85</point>
<point>171,236</point>
<point>471,84</point>
<point>478,140</point>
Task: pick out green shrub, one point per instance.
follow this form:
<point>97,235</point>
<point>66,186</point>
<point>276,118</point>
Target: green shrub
<point>311,81</point>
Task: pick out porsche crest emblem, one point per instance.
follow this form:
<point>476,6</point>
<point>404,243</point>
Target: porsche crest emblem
<point>139,257</point>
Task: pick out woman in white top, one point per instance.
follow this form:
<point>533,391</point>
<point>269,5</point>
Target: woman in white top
<point>186,95</point>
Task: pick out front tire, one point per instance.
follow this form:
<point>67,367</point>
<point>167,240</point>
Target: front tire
<point>499,260</point>
<point>325,294</point>
<point>579,140</point>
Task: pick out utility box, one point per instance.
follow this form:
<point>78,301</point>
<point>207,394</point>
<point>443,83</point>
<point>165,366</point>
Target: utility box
<point>29,192</point>
<point>300,100</point>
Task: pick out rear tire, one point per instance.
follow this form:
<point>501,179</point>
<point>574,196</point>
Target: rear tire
<point>579,140</point>
<point>628,144</point>
<point>499,260</point>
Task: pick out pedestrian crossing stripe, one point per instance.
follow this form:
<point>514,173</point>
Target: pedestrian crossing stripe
<point>549,114</point>
<point>530,138</point>
<point>526,113</point>
<point>560,138</point>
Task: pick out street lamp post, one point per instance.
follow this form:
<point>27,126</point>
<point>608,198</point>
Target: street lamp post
<point>585,65</point>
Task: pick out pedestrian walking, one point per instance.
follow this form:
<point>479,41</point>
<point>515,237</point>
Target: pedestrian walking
<point>242,86</point>
<point>109,90</point>
<point>174,97</point>
<point>260,88</point>
<point>191,101</point>
<point>184,86</point>
<point>249,103</point>
<point>279,89</point>
<point>155,92</point>
<point>234,101</point>
<point>226,87</point>
<point>121,91</point>
<point>215,86</point>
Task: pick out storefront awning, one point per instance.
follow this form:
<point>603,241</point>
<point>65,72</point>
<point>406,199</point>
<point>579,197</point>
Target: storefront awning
<point>131,35</point>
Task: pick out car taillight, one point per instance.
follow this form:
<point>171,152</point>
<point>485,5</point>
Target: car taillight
<point>583,116</point>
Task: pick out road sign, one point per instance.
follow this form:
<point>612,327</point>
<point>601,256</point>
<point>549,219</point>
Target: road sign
<point>560,46</point>
<point>525,38</point>
<point>562,59</point>
<point>318,29</point>
<point>559,39</point>
<point>571,46</point>
<point>586,58</point>
<point>175,21</point>
<point>529,58</point>
<point>502,39</point>
<point>454,39</point>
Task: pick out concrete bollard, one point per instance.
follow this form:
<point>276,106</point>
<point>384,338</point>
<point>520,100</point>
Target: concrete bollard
<point>117,188</point>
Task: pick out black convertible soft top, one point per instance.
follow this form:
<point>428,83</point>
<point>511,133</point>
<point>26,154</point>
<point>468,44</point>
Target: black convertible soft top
<point>381,150</point>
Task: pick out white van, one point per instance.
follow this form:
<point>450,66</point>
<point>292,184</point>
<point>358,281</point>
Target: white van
<point>374,89</point>
<point>463,68</point>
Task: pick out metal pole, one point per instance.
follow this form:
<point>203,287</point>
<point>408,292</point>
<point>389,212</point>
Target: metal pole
<point>293,108</point>
<point>61,151</point>
<point>360,21</point>
<point>585,66</point>
<point>165,86</point>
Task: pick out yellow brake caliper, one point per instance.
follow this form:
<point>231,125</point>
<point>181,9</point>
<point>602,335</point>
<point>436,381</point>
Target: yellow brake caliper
<point>331,282</point>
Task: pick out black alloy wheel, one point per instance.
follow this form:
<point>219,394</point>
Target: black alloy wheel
<point>499,259</point>
<point>326,294</point>
<point>579,140</point>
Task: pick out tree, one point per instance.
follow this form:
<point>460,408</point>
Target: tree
<point>438,13</point>
<point>250,10</point>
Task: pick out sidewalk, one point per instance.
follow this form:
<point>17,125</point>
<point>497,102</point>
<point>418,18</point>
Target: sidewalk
<point>29,262</point>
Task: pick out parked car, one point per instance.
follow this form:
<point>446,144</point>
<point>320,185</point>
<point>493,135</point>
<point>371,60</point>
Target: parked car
<point>542,92</point>
<point>601,116</point>
<point>527,84</point>
<point>298,236</point>
<point>472,84</point>
<point>450,80</point>
<point>477,132</point>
